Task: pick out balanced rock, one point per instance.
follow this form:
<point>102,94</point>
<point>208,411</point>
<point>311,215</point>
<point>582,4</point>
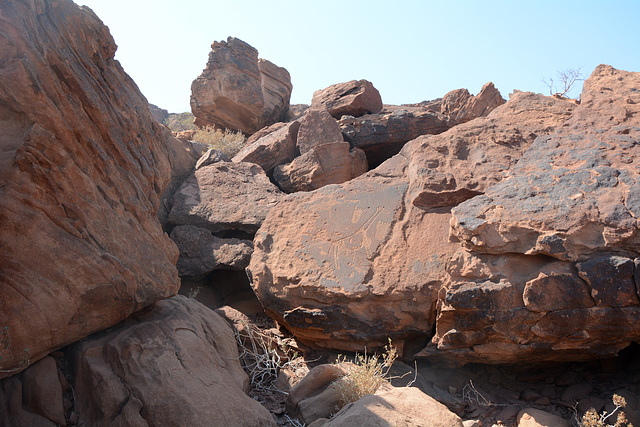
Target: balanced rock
<point>174,364</point>
<point>238,91</point>
<point>225,196</point>
<point>548,255</point>
<point>83,175</point>
<point>353,98</point>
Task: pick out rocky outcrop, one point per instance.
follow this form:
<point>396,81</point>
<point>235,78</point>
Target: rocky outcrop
<point>174,364</point>
<point>351,265</point>
<point>549,254</point>
<point>317,127</point>
<point>84,171</point>
<point>275,145</point>
<point>160,114</point>
<point>238,91</point>
<point>353,98</point>
<point>225,196</point>
<point>382,135</point>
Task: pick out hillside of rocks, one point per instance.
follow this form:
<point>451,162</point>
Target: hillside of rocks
<point>492,242</point>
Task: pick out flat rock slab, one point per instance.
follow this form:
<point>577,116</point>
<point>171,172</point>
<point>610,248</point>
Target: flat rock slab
<point>225,196</point>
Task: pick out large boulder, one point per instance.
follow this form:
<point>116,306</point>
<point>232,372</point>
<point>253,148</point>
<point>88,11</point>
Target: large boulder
<point>353,98</point>
<point>225,196</point>
<point>83,172</point>
<point>322,165</point>
<point>238,91</point>
<point>546,269</point>
<point>174,364</point>
<point>317,127</point>
<point>276,145</point>
<point>348,266</point>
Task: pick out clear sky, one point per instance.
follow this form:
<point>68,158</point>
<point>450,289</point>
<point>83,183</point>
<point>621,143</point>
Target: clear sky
<point>411,50</point>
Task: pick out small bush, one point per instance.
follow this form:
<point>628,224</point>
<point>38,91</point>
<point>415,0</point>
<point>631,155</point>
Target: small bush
<point>365,375</point>
<point>592,419</point>
<point>229,142</point>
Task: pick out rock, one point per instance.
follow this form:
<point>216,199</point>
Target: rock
<point>174,364</point>
<point>576,392</point>
<point>313,384</point>
<point>271,148</point>
<point>354,98</point>
<point>210,157</point>
<point>42,391</point>
<point>461,106</point>
<point>323,165</point>
<point>201,252</point>
<point>84,172</point>
<point>405,406</point>
<point>12,407</point>
<point>159,114</point>
<point>186,135</point>
<point>382,135</point>
<point>225,196</point>
<point>317,127</point>
<point>531,417</point>
<point>238,91</point>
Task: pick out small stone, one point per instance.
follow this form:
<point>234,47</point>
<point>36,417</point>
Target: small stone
<point>544,401</point>
<point>576,392</point>
<point>566,378</point>
<point>530,395</point>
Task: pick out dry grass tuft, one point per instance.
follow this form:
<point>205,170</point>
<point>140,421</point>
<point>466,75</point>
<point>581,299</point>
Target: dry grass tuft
<point>229,142</point>
<point>365,375</point>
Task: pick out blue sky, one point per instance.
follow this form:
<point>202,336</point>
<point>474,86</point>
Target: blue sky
<point>411,50</point>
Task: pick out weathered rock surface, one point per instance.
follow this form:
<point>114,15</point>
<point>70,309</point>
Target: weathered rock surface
<point>201,252</point>
<point>406,406</point>
<point>83,172</point>
<point>238,91</point>
<point>353,98</point>
<point>317,127</point>
<point>322,165</point>
<point>344,267</point>
<point>532,417</point>
<point>549,255</point>
<point>210,157</point>
<point>382,135</point>
<point>174,364</point>
<point>225,196</point>
<point>271,146</point>
<point>158,113</point>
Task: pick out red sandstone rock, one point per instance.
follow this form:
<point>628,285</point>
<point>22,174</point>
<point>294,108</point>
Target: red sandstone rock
<point>317,127</point>
<point>174,364</point>
<point>275,146</point>
<point>353,98</point>
<point>83,173</point>
<point>225,196</point>
<point>238,91</point>
<point>323,165</point>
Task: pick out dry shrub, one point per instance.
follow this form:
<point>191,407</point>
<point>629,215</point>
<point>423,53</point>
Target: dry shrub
<point>592,419</point>
<point>229,142</point>
<point>365,375</point>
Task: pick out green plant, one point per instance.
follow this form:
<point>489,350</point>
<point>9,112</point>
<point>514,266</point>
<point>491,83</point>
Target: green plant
<point>364,375</point>
<point>592,419</point>
<point>229,142</point>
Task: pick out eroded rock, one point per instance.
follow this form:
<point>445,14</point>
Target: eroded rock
<point>354,98</point>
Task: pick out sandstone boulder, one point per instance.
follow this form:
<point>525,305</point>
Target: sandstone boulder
<point>238,91</point>
<point>83,175</point>
<point>225,196</point>
<point>353,98</point>
<point>317,127</point>
<point>174,364</point>
<point>275,146</point>
<point>210,157</point>
<point>201,252</point>
<point>322,165</point>
<point>461,106</point>
<point>547,266</point>
<point>406,406</point>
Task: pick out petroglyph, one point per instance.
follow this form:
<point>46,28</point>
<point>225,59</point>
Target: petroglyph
<point>356,224</point>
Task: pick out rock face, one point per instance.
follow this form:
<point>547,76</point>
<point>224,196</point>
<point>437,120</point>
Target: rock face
<point>83,172</point>
<point>353,98</point>
<point>238,91</point>
<point>174,364</point>
<point>351,265</point>
<point>382,135</point>
<point>276,146</point>
<point>225,196</point>
<point>549,254</point>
